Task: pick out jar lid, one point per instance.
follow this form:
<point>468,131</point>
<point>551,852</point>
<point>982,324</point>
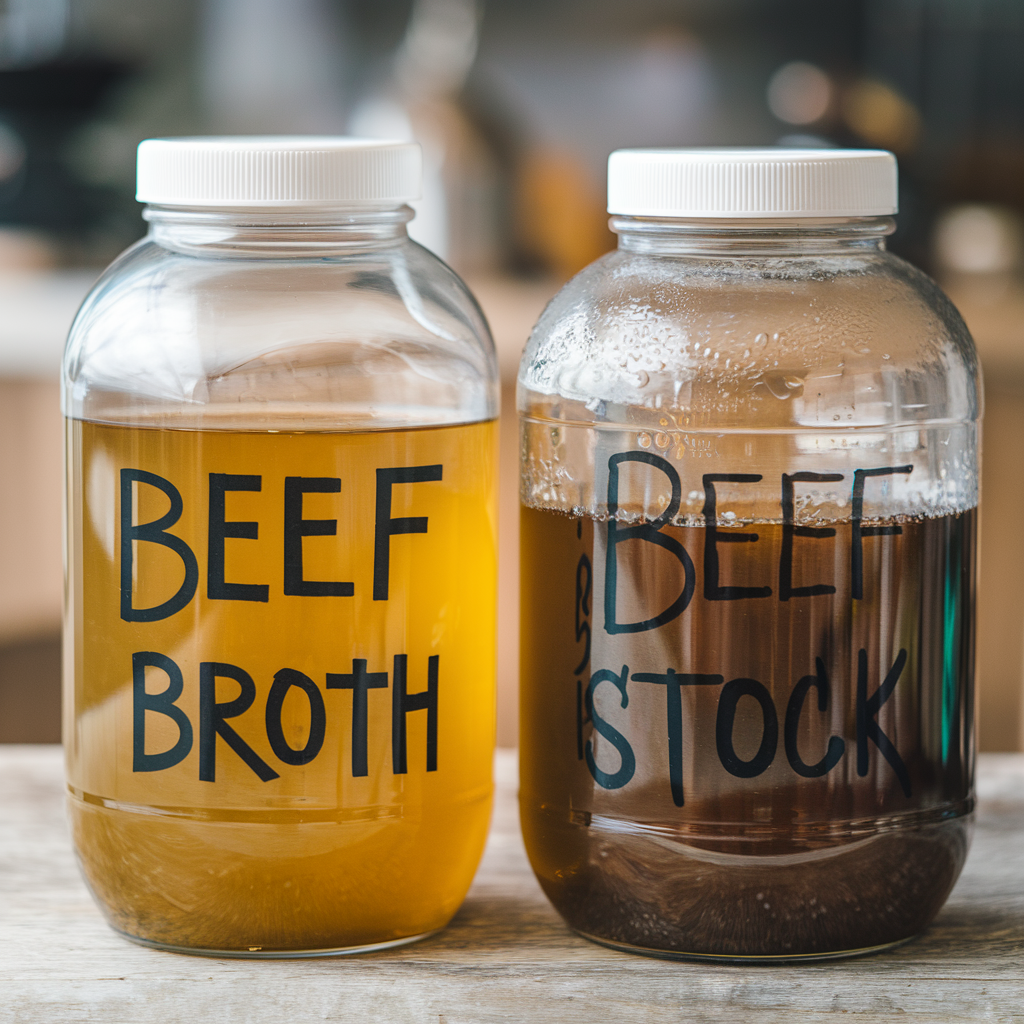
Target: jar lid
<point>752,182</point>
<point>277,171</point>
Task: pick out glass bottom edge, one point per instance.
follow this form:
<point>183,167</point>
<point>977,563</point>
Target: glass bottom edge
<point>740,959</point>
<point>259,953</point>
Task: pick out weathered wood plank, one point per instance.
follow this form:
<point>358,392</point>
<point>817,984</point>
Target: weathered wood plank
<point>506,957</point>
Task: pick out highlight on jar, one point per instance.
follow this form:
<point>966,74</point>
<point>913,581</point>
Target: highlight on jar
<point>281,553</point>
<point>749,487</point>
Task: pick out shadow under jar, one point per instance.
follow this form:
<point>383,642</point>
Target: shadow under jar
<point>749,475</point>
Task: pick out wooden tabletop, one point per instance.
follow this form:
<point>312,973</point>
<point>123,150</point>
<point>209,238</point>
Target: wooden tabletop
<point>506,956</point>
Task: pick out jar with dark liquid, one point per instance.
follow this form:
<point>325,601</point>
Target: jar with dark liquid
<point>749,484</point>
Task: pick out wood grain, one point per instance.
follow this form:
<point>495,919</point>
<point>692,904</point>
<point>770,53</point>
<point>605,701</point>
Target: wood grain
<point>506,956</point>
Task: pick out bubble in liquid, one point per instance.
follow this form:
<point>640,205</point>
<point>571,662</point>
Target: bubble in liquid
<point>761,339</point>
<point>644,439</point>
<point>784,385</point>
<point>662,440</point>
<point>729,517</point>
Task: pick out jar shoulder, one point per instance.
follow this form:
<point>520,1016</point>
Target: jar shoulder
<point>639,330</point>
<point>392,324</point>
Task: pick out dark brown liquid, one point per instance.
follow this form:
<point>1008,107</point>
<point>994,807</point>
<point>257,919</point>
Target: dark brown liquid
<point>752,776</point>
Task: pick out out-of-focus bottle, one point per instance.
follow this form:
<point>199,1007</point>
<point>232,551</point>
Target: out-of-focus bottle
<point>280,621</point>
<point>749,484</point>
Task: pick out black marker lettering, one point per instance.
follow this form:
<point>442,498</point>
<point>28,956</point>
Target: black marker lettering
<point>155,533</point>
<point>160,704</point>
<point>212,721</point>
<point>791,530</point>
<point>857,514</point>
<point>649,532</point>
<point>386,527</point>
<point>583,584</point>
<point>618,779</point>
<point>295,528</point>
<point>731,762</point>
<point>216,588</point>
<point>360,682</point>
<point>836,746</point>
<point>713,537</point>
<point>283,682</point>
<point>673,694</point>
<point>867,713</point>
<point>402,702</point>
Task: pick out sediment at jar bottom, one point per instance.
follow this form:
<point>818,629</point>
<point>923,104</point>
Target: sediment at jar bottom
<point>671,896</point>
<point>238,886</point>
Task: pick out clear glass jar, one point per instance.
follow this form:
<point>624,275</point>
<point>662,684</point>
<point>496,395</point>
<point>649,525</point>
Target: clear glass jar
<point>749,489</point>
<point>281,567</point>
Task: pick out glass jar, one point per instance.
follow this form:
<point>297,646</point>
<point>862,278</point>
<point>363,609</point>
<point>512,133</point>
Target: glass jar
<point>281,558</point>
<point>749,490</point>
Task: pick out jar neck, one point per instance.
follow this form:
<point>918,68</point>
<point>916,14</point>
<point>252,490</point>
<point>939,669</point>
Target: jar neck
<point>661,236</point>
<point>277,232</point>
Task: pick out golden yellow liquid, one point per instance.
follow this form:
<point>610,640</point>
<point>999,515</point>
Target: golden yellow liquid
<point>321,856</point>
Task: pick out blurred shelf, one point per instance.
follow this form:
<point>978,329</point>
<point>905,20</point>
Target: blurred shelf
<point>36,310</point>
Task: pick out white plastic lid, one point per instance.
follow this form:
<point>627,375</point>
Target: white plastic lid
<point>277,171</point>
<point>752,183</point>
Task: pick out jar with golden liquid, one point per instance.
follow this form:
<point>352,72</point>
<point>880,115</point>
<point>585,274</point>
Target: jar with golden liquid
<point>281,558</point>
<point>750,442</point>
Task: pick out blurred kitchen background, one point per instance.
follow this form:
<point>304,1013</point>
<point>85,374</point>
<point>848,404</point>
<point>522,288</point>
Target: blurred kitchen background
<point>517,104</point>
